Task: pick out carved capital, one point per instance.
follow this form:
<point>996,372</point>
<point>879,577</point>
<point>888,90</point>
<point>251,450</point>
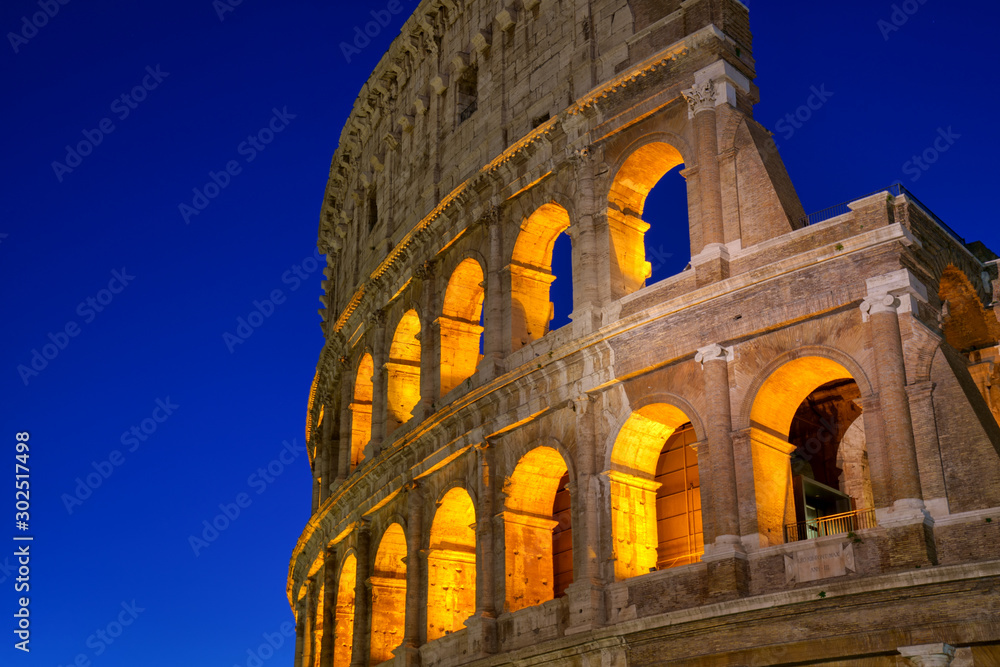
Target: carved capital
<point>928,655</point>
<point>879,303</point>
<point>424,271</point>
<point>714,352</point>
<point>701,97</point>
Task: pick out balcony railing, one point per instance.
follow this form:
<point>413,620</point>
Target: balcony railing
<point>835,524</point>
<point>896,189</point>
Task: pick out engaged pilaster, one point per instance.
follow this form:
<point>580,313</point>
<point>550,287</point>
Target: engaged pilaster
<point>413,624</point>
<point>380,388</point>
<point>908,523</point>
<point>726,557</point>
<point>362,599</point>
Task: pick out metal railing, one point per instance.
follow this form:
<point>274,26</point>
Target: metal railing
<point>835,524</point>
<point>896,189</point>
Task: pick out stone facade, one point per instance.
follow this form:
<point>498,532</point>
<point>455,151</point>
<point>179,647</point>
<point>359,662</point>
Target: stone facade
<point>788,453</point>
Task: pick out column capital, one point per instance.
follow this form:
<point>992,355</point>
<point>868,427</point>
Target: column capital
<point>701,97</point>
<point>714,352</point>
<point>900,291</point>
<point>928,655</point>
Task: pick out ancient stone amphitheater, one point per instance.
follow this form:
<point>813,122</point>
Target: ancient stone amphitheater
<point>786,453</point>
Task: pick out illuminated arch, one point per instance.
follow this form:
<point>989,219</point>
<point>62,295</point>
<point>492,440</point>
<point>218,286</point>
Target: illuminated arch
<point>461,332</point>
<point>344,615</point>
<point>530,523</point>
<point>451,565</point>
<point>388,586</point>
<point>404,368</point>
<point>531,273</point>
<point>968,325</point>
<point>775,406</point>
<point>361,410</point>
<point>652,513</point>
<point>636,177</point>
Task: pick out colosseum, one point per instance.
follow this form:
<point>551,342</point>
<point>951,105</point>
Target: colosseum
<point>786,453</point>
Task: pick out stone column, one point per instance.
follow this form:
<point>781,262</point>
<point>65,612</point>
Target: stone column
<point>317,466</point>
<point>300,631</point>
<point>493,344</point>
<point>482,626</point>
<point>726,557</point>
<point>586,593</point>
<point>928,655</point>
<point>309,632</point>
<point>362,599</point>
<point>380,387</point>
<point>331,447</point>
<point>346,394</point>
<point>430,343</point>
<point>907,521</point>
<point>586,256</point>
<point>329,608</point>
<point>711,261</point>
<point>413,626</point>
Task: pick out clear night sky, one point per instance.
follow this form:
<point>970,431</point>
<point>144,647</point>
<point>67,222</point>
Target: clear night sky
<point>63,237</point>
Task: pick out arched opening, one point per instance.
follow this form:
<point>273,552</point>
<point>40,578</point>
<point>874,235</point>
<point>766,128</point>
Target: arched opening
<point>655,492</point>
<point>531,275</point>
<point>361,410</point>
<point>451,565</point>
<point>633,257</point>
<point>974,331</point>
<point>810,458</point>
<point>388,586</point>
<point>529,529</point>
<point>404,370</point>
<point>344,619</point>
<point>460,323</point>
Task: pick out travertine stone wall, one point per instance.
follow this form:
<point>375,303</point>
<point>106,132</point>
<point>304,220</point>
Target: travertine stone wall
<point>445,413</point>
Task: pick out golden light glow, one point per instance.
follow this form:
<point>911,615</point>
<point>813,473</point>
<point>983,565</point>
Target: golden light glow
<point>451,565</point>
<point>459,323</point>
<point>528,526</point>
<point>388,585</point>
<point>626,201</point>
<point>781,395</point>
<point>404,368</point>
<point>771,417</point>
<point>678,503</point>
<point>344,630</point>
<point>531,273</point>
<point>637,505</point>
<point>361,410</point>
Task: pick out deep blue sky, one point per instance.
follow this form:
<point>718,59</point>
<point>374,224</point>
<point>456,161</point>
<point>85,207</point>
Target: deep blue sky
<point>162,336</point>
